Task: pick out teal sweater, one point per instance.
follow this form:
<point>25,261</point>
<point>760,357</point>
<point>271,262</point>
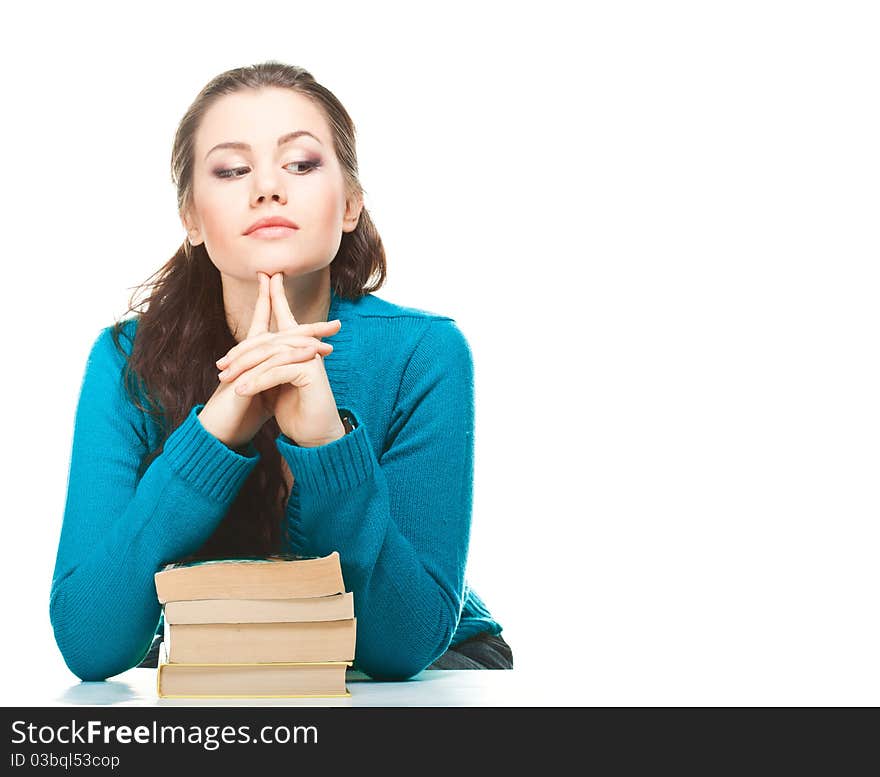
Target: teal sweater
<point>393,496</point>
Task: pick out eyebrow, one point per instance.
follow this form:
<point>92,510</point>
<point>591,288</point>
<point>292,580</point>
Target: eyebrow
<point>245,147</point>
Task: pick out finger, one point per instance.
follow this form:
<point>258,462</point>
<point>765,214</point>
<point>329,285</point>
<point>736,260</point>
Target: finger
<point>317,330</point>
<point>263,308</point>
<point>303,349</point>
<point>280,306</point>
<point>265,377</point>
<point>257,348</point>
<point>253,381</point>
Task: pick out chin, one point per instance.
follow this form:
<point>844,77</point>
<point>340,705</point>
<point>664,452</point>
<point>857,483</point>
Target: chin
<point>271,266</point>
<point>288,267</point>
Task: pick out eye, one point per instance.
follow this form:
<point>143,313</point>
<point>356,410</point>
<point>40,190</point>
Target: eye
<point>309,164</point>
<point>237,172</point>
<point>221,173</point>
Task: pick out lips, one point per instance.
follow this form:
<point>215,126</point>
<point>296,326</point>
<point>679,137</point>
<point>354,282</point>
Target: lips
<point>273,221</point>
<point>271,233</point>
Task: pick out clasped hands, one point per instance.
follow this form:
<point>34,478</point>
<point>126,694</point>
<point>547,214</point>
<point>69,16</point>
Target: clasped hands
<point>285,369</point>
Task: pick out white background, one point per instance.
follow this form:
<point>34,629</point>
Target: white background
<point>657,226</point>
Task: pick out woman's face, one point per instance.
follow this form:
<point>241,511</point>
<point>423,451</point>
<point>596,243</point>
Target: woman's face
<point>299,180</point>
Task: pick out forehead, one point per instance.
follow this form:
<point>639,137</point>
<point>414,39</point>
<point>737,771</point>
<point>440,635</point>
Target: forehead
<point>259,118</point>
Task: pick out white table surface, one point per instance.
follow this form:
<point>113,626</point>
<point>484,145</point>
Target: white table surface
<point>431,688</point>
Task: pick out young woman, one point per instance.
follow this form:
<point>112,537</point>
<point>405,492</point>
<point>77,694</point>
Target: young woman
<point>218,423</point>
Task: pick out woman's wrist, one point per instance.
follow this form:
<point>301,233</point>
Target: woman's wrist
<point>326,441</point>
<point>214,427</point>
<point>346,425</point>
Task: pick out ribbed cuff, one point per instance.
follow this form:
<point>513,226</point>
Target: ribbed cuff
<point>204,461</point>
<point>337,466</point>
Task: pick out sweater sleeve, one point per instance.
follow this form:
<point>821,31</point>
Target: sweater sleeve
<point>401,523</point>
<point>118,529</point>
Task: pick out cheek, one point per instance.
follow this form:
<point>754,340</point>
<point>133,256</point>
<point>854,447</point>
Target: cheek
<point>329,214</point>
<point>324,203</point>
<point>216,216</point>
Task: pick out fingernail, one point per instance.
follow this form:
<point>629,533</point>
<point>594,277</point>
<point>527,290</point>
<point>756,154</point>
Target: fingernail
<point>220,362</point>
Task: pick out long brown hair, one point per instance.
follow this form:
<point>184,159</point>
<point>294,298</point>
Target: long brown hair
<point>184,328</point>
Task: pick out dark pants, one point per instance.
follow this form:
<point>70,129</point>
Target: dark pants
<point>482,651</point>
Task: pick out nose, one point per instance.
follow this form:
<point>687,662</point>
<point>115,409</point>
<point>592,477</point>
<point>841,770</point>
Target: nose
<point>268,186</point>
<point>277,196</point>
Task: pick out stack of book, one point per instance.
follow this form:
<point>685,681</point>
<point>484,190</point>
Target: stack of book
<point>271,627</point>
